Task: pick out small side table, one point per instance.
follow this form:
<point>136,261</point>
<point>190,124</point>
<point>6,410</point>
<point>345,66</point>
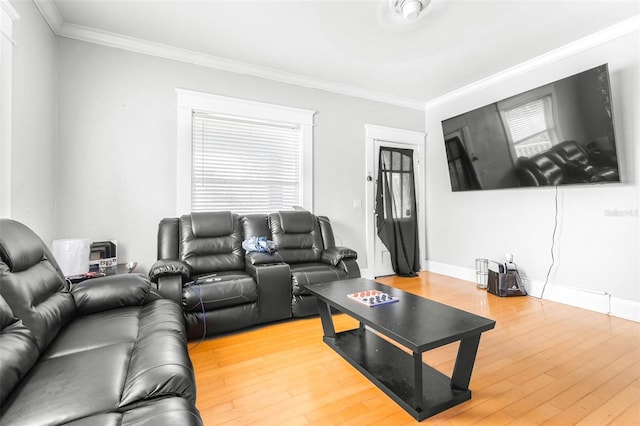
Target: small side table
<point>120,268</point>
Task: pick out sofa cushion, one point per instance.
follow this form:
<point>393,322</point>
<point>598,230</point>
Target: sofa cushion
<point>296,222</point>
<point>32,283</point>
<point>227,288</point>
<point>211,252</point>
<point>212,224</point>
<point>66,388</point>
<point>256,225</point>
<point>111,292</point>
<point>169,238</point>
<point>296,247</point>
<point>311,273</point>
<point>103,363</point>
<point>20,247</point>
<point>18,350</point>
<point>163,412</point>
<point>39,297</point>
<point>159,366</point>
<point>123,325</point>
<point>221,320</point>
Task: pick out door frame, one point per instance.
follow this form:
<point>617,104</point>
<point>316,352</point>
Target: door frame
<point>394,136</point>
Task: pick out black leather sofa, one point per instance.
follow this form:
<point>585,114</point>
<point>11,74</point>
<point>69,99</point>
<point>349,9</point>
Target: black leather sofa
<point>107,351</point>
<point>564,163</point>
<point>245,288</point>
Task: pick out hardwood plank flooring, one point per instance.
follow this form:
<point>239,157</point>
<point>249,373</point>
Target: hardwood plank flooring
<point>544,363</point>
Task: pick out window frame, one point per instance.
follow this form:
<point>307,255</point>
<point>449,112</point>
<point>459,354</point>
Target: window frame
<point>189,101</point>
<point>7,15</point>
<point>519,100</point>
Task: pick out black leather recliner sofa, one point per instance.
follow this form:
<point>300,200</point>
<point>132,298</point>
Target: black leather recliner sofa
<point>107,351</point>
<point>201,264</point>
<point>565,163</point>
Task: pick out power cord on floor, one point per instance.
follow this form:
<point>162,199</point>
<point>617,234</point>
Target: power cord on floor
<point>553,243</point>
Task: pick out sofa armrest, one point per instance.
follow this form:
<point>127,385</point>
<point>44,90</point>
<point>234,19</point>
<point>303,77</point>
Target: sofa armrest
<point>170,287</point>
<point>334,255</point>
<point>163,268</point>
<point>261,258</point>
<point>113,291</point>
<point>350,266</point>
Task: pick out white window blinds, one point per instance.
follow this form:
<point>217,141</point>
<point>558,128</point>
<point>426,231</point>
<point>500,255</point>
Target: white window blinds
<point>531,127</point>
<point>245,165</point>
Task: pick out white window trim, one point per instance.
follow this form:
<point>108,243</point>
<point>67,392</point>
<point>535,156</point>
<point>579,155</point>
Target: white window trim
<point>402,139</point>
<point>7,15</point>
<point>189,101</point>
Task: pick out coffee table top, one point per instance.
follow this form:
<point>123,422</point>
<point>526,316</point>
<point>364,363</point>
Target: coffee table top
<point>415,322</point>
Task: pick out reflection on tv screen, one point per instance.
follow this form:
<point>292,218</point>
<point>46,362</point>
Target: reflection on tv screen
<point>557,134</point>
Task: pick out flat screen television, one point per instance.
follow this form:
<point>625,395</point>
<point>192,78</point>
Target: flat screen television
<point>557,134</point>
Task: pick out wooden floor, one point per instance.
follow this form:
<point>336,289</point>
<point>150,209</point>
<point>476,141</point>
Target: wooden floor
<point>544,363</point>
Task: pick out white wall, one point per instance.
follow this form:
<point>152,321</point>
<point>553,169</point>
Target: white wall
<point>117,144</point>
<point>33,138</point>
<point>595,250</point>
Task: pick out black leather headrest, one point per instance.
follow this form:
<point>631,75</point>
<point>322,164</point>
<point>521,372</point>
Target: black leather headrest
<point>20,247</point>
<point>296,222</point>
<point>211,224</point>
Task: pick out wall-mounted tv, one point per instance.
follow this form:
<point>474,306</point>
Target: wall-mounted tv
<point>557,134</point>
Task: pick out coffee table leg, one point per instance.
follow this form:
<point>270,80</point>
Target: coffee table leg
<point>464,363</point>
<point>417,374</point>
<point>326,318</point>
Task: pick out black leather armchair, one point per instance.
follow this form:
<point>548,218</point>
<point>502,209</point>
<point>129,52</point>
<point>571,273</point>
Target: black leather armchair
<point>102,352</point>
<point>309,249</point>
<point>201,266</point>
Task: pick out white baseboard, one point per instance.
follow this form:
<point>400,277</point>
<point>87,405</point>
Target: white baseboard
<point>627,309</point>
<point>582,298</point>
<point>459,272</point>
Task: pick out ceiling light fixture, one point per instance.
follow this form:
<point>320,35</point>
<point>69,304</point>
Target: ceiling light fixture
<point>409,9</point>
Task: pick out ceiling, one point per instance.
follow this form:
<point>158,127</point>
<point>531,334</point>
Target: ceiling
<point>350,46</point>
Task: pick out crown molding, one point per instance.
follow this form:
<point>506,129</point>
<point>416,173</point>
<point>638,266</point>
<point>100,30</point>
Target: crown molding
<point>605,35</point>
<point>132,44</point>
<point>51,14</point>
<point>8,10</point>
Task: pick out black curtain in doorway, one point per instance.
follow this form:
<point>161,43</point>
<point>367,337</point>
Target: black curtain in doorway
<point>396,218</point>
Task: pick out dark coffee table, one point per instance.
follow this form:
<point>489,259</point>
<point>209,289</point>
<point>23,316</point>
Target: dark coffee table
<point>416,323</point>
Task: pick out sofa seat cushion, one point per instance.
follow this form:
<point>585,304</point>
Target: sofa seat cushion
<point>226,288</point>
<point>123,325</point>
<point>311,273</point>
<point>159,366</point>
<point>102,363</point>
<point>163,412</point>
<point>66,388</point>
<point>223,320</point>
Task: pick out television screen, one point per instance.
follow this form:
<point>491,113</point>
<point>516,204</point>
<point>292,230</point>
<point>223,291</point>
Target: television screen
<point>557,134</point>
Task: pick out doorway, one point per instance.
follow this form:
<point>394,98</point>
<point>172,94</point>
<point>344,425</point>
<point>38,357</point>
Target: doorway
<point>378,256</point>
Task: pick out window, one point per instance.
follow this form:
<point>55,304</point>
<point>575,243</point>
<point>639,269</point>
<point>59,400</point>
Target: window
<point>244,165</point>
<point>396,169</point>
<point>529,122</point>
<point>243,156</point>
